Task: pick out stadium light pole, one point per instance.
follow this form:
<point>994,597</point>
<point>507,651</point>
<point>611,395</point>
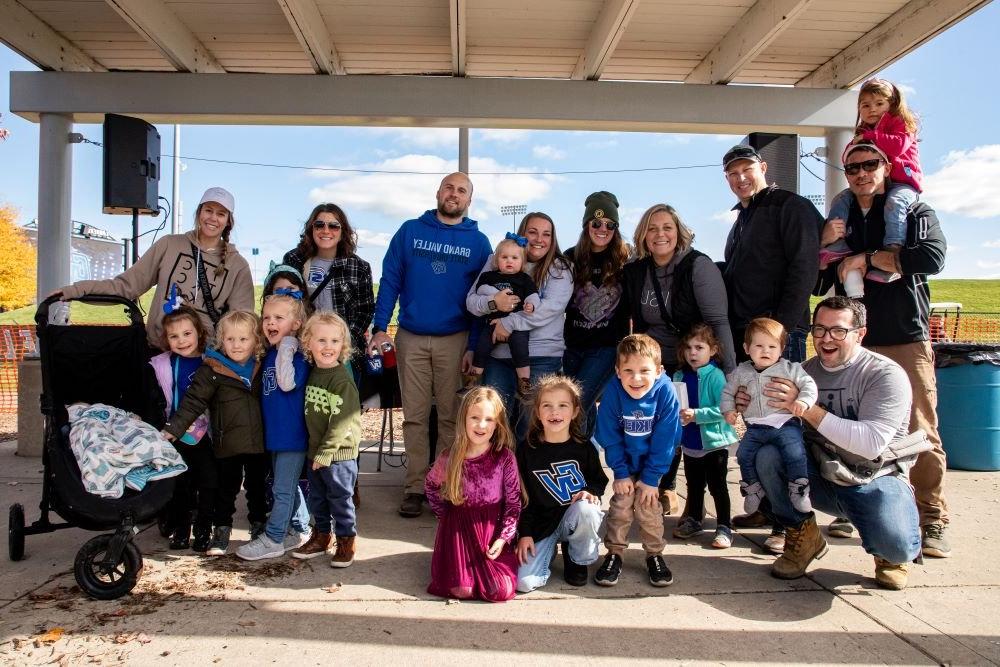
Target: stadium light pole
<point>514,210</point>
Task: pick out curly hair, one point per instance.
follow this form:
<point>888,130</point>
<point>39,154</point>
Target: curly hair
<point>240,318</point>
<point>325,318</point>
<point>348,237</point>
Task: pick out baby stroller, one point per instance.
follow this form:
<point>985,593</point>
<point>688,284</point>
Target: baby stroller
<point>93,364</point>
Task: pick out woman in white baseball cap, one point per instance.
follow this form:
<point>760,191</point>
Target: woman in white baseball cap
<point>209,273</point>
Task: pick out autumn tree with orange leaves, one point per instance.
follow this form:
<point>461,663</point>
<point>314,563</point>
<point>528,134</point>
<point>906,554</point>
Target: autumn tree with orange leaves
<point>18,263</point>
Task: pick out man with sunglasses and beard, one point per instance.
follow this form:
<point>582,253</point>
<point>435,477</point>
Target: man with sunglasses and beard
<point>898,313</point>
<point>429,266</point>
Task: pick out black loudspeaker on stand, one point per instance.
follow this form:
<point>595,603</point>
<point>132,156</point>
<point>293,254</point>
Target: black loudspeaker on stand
<point>781,153</point>
<point>131,170</point>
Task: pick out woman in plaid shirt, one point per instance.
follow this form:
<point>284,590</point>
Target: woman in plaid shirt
<point>337,278</point>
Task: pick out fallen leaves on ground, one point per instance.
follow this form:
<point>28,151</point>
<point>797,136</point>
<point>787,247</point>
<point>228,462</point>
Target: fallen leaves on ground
<point>334,587</point>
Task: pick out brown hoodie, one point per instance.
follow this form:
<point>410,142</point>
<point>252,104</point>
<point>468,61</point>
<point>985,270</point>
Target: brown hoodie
<point>170,261</point>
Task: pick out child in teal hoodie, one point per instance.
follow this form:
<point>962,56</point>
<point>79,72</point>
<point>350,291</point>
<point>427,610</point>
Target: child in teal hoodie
<point>707,437</point>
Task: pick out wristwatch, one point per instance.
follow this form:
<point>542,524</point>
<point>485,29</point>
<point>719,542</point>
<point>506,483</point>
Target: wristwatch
<point>492,305</point>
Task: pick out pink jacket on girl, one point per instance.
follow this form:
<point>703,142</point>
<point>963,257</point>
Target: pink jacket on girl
<point>165,378</point>
<point>891,136</point>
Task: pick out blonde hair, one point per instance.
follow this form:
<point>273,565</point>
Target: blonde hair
<point>550,383</point>
<point>452,489</point>
<point>298,309</point>
<point>639,345</point>
<point>240,318</point>
<point>522,249</point>
<point>685,237</point>
<point>329,318</point>
<point>897,105</point>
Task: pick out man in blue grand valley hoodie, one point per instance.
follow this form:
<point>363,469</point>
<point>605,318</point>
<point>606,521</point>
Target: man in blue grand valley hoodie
<point>430,265</point>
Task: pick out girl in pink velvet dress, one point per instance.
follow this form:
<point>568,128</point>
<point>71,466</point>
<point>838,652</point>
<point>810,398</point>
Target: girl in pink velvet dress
<point>475,492</point>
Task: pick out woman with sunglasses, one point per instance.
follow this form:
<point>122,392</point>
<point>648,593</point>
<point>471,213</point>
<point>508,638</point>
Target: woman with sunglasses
<point>337,279</point>
<point>595,317</point>
<point>668,289</point>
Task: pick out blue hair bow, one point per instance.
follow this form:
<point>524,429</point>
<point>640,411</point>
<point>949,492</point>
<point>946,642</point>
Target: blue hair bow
<point>289,291</point>
<point>174,300</point>
<point>517,238</point>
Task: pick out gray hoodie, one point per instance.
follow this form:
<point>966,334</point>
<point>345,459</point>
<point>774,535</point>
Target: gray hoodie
<point>754,381</point>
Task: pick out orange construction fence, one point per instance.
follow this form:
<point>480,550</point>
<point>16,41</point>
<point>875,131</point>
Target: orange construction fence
<point>16,342</point>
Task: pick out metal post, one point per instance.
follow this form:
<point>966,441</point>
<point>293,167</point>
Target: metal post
<point>55,195</point>
<point>175,205</point>
<point>463,150</point>
<point>837,139</point>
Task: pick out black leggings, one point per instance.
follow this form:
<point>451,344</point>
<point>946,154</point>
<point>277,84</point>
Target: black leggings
<point>231,478</point>
<point>709,470</point>
<point>196,488</point>
<point>669,480</point>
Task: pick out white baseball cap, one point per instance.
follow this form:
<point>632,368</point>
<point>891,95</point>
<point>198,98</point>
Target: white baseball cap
<point>220,196</point>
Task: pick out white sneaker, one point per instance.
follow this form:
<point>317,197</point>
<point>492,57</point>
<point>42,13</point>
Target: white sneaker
<point>775,543</point>
<point>260,548</point>
<point>294,540</point>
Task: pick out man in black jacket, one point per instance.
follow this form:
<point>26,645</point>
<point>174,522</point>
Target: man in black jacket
<point>898,313</point>
<point>772,253</point>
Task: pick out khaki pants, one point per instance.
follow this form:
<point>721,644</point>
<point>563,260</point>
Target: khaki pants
<point>622,511</point>
<point>927,475</point>
<point>429,370</point>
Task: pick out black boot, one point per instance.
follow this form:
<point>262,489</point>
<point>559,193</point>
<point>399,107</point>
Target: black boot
<point>202,538</point>
<point>573,573</point>
<point>181,537</point>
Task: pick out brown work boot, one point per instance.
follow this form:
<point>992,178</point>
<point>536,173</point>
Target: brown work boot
<point>345,552</point>
<point>756,520</point>
<point>668,500</point>
<point>890,575</point>
<point>318,544</point>
<point>803,543</point>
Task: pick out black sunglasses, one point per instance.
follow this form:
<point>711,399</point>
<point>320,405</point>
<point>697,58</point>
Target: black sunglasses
<point>611,226</point>
<point>852,168</point>
<point>319,224</point>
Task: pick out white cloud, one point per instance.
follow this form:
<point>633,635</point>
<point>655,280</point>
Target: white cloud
<point>500,136</point>
<point>547,152</point>
<point>729,138</point>
<point>907,90</point>
<point>674,139</point>
<point>420,137</point>
<point>988,265</point>
<point>988,244</point>
<point>728,216</point>
<point>404,196</point>
<point>966,183</point>
<point>370,239</point>
<point>601,144</point>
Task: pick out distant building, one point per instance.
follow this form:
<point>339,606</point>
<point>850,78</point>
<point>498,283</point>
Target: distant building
<point>97,255</point>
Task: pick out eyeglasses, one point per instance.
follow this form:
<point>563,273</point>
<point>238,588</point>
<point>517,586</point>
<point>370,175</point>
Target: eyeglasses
<point>610,226</point>
<point>852,168</point>
<point>836,333</point>
<point>319,224</point>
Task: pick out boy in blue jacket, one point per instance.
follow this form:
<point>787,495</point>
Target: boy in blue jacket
<point>638,426</point>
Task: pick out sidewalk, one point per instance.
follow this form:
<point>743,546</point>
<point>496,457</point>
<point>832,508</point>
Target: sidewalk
<point>723,606</point>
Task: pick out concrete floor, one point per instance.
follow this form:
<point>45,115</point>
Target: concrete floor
<point>722,608</point>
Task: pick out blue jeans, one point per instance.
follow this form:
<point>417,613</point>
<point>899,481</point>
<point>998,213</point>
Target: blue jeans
<point>883,510</point>
<point>331,502</point>
<point>289,506</point>
<point>579,527</point>
<point>898,200</point>
<point>500,375</point>
<point>592,368</point>
<point>787,440</point>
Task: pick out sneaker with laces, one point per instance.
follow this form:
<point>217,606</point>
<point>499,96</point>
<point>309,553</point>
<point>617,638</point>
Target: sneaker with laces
<point>260,549</point>
<point>202,539</point>
<point>318,544</point>
<point>659,574</point>
<point>891,576</point>
<point>840,527</point>
<point>294,539</point>
<point>723,537</point>
<point>687,528</point>
<point>775,542</point>
<point>609,571</point>
<point>934,543</point>
<point>219,545</point>
<point>344,555</point>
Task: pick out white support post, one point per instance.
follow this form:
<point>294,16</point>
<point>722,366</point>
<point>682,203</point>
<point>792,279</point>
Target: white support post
<point>175,205</point>
<point>837,139</point>
<point>463,150</point>
<point>55,194</point>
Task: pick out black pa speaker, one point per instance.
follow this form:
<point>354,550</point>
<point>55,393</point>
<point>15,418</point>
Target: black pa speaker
<point>781,153</point>
<point>131,165</point>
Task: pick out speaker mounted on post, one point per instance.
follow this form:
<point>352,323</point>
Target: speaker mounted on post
<point>131,166</point>
<point>781,153</point>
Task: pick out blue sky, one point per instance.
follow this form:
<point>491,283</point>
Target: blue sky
<point>948,82</point>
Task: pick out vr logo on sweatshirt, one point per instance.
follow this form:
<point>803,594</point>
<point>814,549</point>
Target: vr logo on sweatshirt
<point>562,480</point>
<point>637,424</point>
<point>269,380</point>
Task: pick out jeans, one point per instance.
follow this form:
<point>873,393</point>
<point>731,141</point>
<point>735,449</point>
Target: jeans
<point>289,506</point>
<point>500,375</point>
<point>787,440</point>
<point>898,200</point>
<point>579,527</point>
<point>331,502</point>
<point>883,510</point>
<point>592,368</point>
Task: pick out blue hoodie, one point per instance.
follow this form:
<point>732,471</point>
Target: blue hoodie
<point>429,267</point>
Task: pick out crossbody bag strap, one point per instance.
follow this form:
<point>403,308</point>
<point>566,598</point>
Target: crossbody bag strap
<point>203,285</point>
<point>322,285</point>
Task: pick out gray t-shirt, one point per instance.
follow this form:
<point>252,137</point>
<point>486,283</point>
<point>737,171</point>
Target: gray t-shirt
<point>318,268</point>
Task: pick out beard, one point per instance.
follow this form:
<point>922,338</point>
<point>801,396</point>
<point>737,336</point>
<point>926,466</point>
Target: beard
<point>451,210</point>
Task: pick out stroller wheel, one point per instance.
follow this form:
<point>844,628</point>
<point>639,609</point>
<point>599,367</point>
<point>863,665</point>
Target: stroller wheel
<point>100,581</point>
<point>15,532</point>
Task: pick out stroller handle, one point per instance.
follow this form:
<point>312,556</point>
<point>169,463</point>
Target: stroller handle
<point>134,312</point>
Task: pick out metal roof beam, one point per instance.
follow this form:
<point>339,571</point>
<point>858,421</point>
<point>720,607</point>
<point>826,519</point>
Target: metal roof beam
<point>899,34</point>
<point>35,40</point>
<point>608,30</point>
<point>456,11</point>
<point>160,27</point>
<point>310,29</point>
<point>753,32</point>
<point>422,101</point>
